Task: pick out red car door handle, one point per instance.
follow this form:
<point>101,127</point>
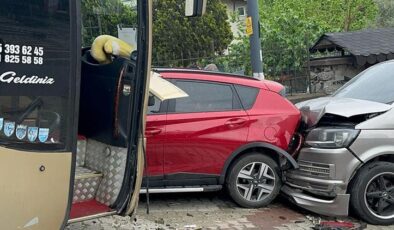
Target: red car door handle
<point>235,122</point>
<point>152,131</point>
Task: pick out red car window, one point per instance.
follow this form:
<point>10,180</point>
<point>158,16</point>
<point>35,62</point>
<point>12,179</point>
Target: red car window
<point>247,95</point>
<point>205,97</point>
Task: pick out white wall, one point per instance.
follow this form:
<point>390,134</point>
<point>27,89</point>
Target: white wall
<point>232,6</point>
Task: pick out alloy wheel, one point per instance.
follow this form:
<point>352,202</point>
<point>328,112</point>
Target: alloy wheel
<point>379,195</point>
<point>255,181</point>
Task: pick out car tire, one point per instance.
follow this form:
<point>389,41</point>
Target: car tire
<point>368,193</point>
<point>254,180</point>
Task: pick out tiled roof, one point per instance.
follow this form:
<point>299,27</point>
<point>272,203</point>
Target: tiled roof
<point>375,44</point>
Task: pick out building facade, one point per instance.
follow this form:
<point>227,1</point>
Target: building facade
<point>338,57</point>
<point>237,11</point>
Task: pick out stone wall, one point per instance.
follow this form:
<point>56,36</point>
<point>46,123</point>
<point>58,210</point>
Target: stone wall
<point>327,79</point>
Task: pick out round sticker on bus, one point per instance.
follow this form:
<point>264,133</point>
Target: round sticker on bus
<point>21,131</point>
<point>43,134</point>
<point>32,133</point>
<point>9,128</point>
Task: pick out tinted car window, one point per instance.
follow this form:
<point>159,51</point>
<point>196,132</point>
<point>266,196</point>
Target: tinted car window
<point>155,109</point>
<point>374,84</point>
<point>247,94</point>
<point>205,97</point>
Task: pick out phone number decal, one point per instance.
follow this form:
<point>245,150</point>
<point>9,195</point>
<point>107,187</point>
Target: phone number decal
<point>17,54</point>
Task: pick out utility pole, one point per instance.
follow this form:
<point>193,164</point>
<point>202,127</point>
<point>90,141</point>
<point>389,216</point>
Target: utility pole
<point>253,30</point>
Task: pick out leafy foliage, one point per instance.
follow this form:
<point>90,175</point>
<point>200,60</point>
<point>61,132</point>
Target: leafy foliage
<point>385,16</point>
<point>176,38</point>
<point>103,16</point>
<point>237,57</point>
<point>357,13</point>
<point>289,27</point>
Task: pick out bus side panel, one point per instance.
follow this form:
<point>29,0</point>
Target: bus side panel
<point>33,191</point>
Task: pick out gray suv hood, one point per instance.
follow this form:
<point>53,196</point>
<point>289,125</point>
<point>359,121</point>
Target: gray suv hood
<point>313,110</point>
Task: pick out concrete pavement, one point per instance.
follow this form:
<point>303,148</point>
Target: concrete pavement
<point>210,211</point>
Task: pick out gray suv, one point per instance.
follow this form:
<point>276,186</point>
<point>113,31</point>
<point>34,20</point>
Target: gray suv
<point>347,159</point>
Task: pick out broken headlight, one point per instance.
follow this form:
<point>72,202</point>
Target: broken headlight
<point>331,138</point>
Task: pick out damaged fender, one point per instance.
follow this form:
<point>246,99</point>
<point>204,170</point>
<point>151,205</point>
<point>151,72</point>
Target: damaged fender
<point>239,151</point>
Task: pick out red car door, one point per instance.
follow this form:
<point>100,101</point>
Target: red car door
<point>202,130</point>
<point>155,135</point>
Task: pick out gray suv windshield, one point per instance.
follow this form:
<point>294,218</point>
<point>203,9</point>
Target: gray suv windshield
<point>374,84</point>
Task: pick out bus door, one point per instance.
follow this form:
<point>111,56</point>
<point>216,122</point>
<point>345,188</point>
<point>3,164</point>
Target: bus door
<point>39,58</point>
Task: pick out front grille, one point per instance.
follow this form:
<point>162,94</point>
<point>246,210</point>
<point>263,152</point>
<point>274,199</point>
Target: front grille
<point>318,186</point>
<point>317,169</point>
<point>308,185</point>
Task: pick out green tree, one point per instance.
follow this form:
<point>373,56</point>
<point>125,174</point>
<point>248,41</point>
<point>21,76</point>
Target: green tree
<point>238,56</point>
<point>103,17</point>
<point>177,39</point>
<point>385,16</point>
<point>289,27</point>
<point>357,13</point>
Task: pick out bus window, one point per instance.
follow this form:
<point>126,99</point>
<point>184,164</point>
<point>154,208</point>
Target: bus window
<point>105,111</point>
<point>35,61</point>
<point>32,120</point>
<point>111,17</point>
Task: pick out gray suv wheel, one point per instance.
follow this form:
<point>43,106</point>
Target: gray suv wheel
<point>372,193</point>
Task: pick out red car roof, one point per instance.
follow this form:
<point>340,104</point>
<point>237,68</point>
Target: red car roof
<point>219,77</point>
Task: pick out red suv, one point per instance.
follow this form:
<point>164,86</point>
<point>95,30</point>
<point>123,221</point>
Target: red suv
<point>231,131</point>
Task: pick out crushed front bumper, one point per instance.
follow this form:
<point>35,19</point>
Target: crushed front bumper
<point>338,206</point>
<point>321,181</point>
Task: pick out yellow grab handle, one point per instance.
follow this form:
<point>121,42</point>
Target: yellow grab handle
<point>105,45</point>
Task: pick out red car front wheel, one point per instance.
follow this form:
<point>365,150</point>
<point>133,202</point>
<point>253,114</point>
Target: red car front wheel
<point>254,180</point>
